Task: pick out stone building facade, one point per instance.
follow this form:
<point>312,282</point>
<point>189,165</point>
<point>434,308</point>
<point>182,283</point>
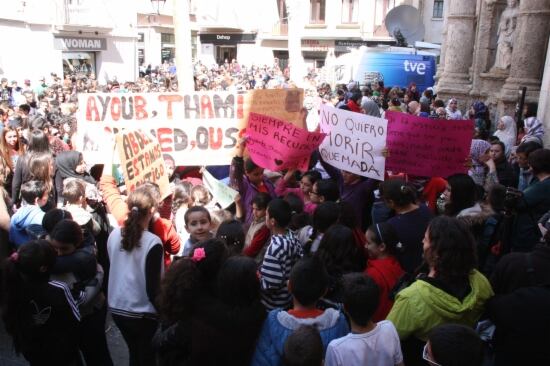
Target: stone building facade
<point>493,48</point>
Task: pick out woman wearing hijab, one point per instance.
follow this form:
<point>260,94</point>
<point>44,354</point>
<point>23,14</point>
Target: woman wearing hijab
<point>507,133</point>
<point>478,111</point>
<point>483,170</point>
<point>70,164</point>
<point>452,109</point>
<point>532,126</point>
<point>369,107</point>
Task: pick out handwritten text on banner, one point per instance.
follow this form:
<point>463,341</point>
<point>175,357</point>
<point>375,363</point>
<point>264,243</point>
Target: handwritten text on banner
<point>275,144</point>
<point>200,128</point>
<point>427,147</point>
<point>354,141</point>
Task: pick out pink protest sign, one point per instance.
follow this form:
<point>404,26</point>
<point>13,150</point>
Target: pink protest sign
<point>427,147</point>
<point>275,144</point>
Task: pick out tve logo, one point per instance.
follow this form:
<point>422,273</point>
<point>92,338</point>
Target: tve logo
<point>417,67</point>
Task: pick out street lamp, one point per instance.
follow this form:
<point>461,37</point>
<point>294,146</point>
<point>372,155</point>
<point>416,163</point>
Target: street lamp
<point>158,4</point>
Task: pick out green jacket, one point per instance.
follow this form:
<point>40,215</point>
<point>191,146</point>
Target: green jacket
<point>421,307</point>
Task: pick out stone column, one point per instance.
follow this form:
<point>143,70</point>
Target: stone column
<point>459,49</point>
<point>441,65</point>
<point>182,32</point>
<point>529,52</point>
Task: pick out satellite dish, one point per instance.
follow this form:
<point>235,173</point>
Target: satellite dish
<point>407,20</point>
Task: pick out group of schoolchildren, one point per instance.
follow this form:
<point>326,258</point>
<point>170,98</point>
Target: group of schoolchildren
<point>304,267</point>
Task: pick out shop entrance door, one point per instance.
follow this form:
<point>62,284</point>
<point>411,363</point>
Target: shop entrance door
<point>226,53</point>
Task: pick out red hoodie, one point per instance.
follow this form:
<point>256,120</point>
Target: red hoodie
<point>354,107</point>
<point>385,272</point>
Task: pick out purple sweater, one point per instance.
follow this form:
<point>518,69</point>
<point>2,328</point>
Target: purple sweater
<point>360,195</point>
<point>239,181</point>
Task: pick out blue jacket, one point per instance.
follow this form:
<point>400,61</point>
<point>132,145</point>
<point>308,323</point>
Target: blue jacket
<point>280,324</point>
<point>26,216</point>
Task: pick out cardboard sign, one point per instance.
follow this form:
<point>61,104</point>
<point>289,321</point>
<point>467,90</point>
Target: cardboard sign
<point>427,147</point>
<point>354,141</point>
<point>141,160</point>
<point>199,128</point>
<point>222,193</point>
<point>276,145</point>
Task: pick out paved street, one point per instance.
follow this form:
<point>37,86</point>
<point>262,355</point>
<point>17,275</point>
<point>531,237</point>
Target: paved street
<point>119,352</point>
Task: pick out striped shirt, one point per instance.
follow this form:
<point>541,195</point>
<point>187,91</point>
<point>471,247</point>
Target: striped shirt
<point>283,252</point>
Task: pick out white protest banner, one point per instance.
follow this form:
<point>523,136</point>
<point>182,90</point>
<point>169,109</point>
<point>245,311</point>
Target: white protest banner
<point>141,160</point>
<point>354,141</point>
<point>222,193</point>
<point>200,128</point>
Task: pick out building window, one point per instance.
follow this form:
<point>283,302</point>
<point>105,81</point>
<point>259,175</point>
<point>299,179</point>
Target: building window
<point>283,15</point>
<point>438,9</point>
<point>141,37</point>
<point>317,14</point>
<point>350,9</point>
<point>167,38</point>
<point>141,56</point>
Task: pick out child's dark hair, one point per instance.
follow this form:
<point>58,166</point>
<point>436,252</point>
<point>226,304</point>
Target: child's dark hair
<point>250,165</point>
<point>261,200</point>
<point>299,217</point>
<point>231,232</point>
<point>325,215</point>
<point>139,202</point>
<point>313,176</point>
<point>67,232</point>
<point>328,189</point>
<point>73,190</point>
<point>338,251</point>
<point>53,216</point>
<point>279,210</point>
<point>32,190</point>
<point>360,297</point>
<point>186,279</point>
<point>304,347</point>
<point>385,233</point>
<point>308,281</point>
<point>398,191</point>
<point>456,345</point>
<point>196,209</point>
<point>238,283</point>
<point>30,265</point>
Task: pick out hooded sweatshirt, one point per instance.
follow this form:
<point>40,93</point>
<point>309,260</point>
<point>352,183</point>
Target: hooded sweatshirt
<point>280,324</point>
<point>26,216</point>
<point>386,272</point>
<point>421,307</point>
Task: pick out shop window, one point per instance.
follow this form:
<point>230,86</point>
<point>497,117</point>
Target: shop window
<point>317,13</point>
<point>141,37</point>
<point>438,9</point>
<point>141,56</point>
<point>78,63</point>
<point>168,54</point>
<point>350,10</point>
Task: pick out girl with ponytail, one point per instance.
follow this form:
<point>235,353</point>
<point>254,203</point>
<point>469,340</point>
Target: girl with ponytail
<point>136,262</point>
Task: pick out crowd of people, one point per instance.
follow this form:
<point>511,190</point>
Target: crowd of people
<point>303,268</point>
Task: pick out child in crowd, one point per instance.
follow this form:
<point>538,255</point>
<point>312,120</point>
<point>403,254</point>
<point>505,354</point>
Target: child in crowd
<point>41,315</point>
<point>76,266</point>
<point>324,190</point>
<point>382,265</point>
<point>369,343</point>
<point>304,347</point>
<point>283,252</point>
<point>258,234</point>
<point>27,221</point>
<point>200,196</point>
<point>307,181</point>
<point>198,224</point>
<point>454,344</point>
<point>232,234</point>
<point>325,215</point>
<point>249,180</point>
<point>299,217</point>
<point>74,193</point>
<point>308,282</point>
